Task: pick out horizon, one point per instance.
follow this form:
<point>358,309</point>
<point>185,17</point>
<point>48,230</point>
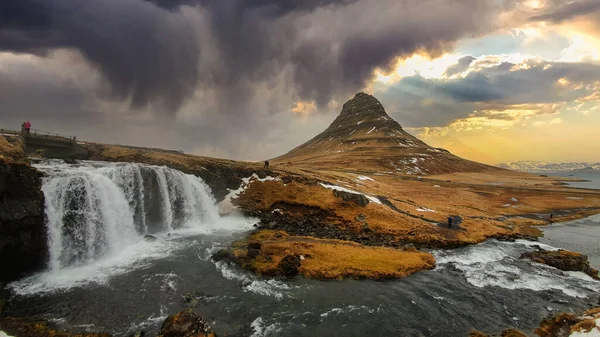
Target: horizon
<point>491,81</point>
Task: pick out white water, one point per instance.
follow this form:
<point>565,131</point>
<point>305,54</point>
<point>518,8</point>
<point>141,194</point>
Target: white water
<point>497,264</point>
<point>98,214</point>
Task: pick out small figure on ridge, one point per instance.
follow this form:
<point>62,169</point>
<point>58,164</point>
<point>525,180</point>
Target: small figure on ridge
<point>27,126</point>
<point>266,164</point>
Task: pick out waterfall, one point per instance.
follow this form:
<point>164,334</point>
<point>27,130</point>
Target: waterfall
<point>94,209</point>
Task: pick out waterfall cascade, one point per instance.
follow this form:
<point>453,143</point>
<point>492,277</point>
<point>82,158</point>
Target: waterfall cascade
<point>96,208</point>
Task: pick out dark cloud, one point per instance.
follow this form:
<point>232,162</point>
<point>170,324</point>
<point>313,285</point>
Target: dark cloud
<point>568,10</point>
<point>146,54</point>
<point>220,68</point>
<point>462,65</point>
<point>532,85</point>
<point>151,51</point>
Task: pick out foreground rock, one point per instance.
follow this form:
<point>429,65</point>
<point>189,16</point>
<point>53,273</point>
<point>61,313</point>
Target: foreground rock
<point>20,327</point>
<point>563,260</point>
<point>565,324</point>
<point>505,333</point>
<point>276,253</point>
<point>186,324</point>
<point>22,231</point>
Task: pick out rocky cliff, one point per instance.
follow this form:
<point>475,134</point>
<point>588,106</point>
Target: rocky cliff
<point>22,231</point>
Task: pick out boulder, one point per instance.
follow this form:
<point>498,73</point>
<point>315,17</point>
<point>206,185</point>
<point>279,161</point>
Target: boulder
<point>150,238</point>
<point>356,198</point>
<point>563,260</point>
<point>186,324</point>
<point>289,265</point>
<point>505,333</point>
<point>222,255</point>
<point>253,249</point>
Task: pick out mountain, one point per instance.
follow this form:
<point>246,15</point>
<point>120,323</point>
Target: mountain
<point>542,166</point>
<point>364,137</point>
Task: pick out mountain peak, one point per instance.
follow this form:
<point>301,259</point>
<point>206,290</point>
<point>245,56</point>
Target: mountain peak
<point>364,136</point>
<point>363,104</point>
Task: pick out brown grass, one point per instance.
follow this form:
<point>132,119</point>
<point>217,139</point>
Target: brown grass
<point>10,150</point>
<point>334,259</point>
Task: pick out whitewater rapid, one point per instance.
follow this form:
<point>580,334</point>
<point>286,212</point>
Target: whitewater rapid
<point>98,215</point>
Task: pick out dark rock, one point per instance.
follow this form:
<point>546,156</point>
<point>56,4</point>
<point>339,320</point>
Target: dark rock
<point>150,238</point>
<point>289,265</point>
<point>70,161</point>
<point>192,299</point>
<point>222,255</point>
<point>356,198</point>
<point>286,180</point>
<point>186,324</point>
<point>563,260</point>
<point>23,246</point>
<point>361,218</point>
<point>254,245</point>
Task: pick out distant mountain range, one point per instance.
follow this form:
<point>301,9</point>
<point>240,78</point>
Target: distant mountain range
<point>542,166</point>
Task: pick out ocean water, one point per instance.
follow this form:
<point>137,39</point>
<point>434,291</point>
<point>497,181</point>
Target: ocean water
<point>592,179</point>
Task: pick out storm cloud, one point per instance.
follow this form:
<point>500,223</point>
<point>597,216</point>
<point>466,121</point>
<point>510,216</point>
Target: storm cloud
<point>220,77</point>
<point>161,51</point>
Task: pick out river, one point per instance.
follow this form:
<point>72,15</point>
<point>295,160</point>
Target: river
<point>134,284</point>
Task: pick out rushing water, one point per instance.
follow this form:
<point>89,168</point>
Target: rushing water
<point>123,284</point>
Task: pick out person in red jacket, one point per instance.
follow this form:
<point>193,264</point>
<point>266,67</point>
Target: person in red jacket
<point>27,127</point>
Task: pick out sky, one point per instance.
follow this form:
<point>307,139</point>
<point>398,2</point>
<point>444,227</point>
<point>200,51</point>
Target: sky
<point>489,80</point>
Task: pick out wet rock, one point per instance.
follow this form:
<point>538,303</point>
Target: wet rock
<point>185,324</point>
<point>23,245</point>
<point>361,218</point>
<point>222,255</point>
<point>253,250</point>
<point>563,260</point>
<point>70,161</point>
<point>254,245</point>
<point>289,265</point>
<point>192,299</point>
<point>22,327</point>
<point>505,333</point>
<point>138,334</point>
<point>358,199</point>
<point>150,238</point>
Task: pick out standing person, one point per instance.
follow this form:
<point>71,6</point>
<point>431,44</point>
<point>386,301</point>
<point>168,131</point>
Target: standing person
<point>266,164</point>
<point>27,127</point>
<point>449,222</point>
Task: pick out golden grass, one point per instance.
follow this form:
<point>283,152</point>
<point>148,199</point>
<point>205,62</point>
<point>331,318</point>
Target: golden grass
<point>9,150</point>
<point>584,326</point>
<point>333,259</point>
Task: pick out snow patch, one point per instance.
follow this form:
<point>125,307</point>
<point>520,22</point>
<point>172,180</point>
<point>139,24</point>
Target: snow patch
<point>373,129</point>
<point>343,189</point>
<point>226,205</point>
<point>365,178</point>
<point>3,334</point>
<point>425,209</point>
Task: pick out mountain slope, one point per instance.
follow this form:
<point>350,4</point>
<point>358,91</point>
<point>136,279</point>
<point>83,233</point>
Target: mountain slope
<point>364,137</point>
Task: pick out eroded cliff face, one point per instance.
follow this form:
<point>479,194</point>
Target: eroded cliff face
<point>23,246</point>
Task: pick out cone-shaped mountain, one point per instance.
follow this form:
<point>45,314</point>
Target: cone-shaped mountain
<point>364,137</point>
